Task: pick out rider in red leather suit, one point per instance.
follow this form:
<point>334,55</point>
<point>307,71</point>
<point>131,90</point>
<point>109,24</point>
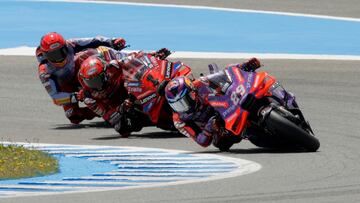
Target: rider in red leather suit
<point>59,61</point>
<point>101,77</point>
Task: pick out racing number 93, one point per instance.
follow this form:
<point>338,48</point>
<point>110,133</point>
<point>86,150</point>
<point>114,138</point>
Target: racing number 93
<point>237,94</point>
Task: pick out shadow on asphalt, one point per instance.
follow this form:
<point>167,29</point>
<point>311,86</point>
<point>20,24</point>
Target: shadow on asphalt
<point>266,151</point>
<point>109,137</point>
<point>98,124</point>
<point>150,135</point>
<point>256,151</point>
<point>157,135</point>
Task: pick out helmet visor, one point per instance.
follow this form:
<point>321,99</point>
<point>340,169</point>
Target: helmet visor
<point>96,83</point>
<point>58,55</point>
<point>183,105</point>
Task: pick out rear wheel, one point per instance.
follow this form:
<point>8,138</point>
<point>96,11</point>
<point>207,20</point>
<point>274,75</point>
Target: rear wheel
<point>261,138</point>
<point>280,125</point>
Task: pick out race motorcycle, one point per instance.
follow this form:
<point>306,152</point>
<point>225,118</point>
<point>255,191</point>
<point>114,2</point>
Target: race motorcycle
<point>253,105</point>
<point>146,75</point>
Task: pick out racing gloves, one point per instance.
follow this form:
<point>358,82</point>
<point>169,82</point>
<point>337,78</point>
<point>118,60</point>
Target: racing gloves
<point>118,43</point>
<point>251,65</point>
<point>162,53</point>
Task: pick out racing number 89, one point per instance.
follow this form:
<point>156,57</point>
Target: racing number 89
<point>239,92</point>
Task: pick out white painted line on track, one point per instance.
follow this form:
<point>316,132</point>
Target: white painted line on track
<point>137,174</point>
<point>30,51</point>
<point>107,152</point>
<point>118,155</point>
<point>174,170</point>
<point>207,165</point>
<point>75,183</point>
<point>181,162</point>
<point>32,187</point>
<point>163,168</point>
<point>127,179</point>
<point>206,8</point>
<point>133,159</point>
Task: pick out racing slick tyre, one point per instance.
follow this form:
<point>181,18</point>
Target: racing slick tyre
<point>260,138</point>
<point>281,126</point>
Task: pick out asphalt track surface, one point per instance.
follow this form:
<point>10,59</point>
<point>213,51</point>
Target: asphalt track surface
<point>327,91</point>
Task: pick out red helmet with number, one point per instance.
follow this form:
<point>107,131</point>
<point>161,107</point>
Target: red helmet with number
<point>54,48</point>
<point>93,73</point>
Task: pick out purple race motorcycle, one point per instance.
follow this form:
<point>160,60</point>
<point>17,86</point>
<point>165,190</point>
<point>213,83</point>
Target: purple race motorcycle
<point>254,106</point>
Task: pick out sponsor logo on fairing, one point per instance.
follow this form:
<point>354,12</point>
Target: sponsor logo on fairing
<point>148,98</point>
<point>132,84</point>
<point>168,70</point>
<point>229,110</point>
<point>134,89</point>
<point>177,66</point>
<point>249,80</point>
<point>222,104</point>
<point>147,62</point>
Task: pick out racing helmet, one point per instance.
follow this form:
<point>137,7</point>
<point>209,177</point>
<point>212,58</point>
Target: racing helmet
<point>93,73</point>
<point>54,49</point>
<point>181,95</point>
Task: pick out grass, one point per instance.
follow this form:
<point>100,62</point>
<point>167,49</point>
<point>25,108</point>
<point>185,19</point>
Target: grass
<point>20,162</point>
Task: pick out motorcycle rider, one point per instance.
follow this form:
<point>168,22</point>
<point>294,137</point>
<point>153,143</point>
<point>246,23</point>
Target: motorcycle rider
<point>102,79</point>
<point>192,114</point>
<point>58,66</point>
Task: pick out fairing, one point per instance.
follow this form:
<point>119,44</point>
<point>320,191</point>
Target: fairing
<point>143,75</point>
<point>231,88</point>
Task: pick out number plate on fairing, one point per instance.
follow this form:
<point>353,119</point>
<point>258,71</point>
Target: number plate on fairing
<point>234,84</point>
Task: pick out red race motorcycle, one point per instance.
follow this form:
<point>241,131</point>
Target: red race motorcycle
<point>146,75</point>
<point>254,106</point>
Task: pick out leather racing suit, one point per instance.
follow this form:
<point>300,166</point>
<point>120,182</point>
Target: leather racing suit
<point>107,101</point>
<point>201,125</point>
<point>61,83</point>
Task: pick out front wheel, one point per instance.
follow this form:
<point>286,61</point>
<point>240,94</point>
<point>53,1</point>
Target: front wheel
<point>277,124</point>
<point>224,142</point>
